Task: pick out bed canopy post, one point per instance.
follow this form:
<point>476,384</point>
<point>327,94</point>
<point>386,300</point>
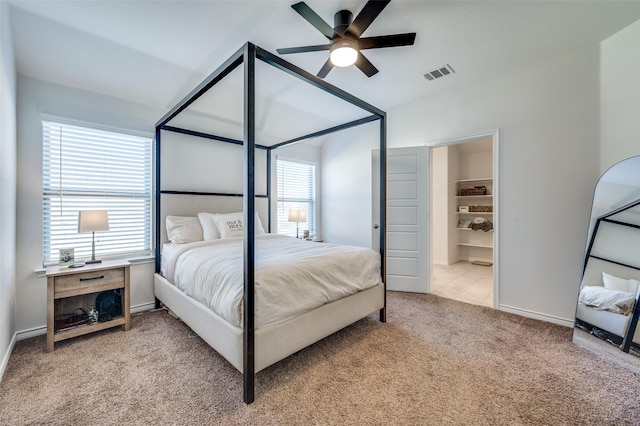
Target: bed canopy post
<point>156,219</point>
<point>383,211</point>
<point>269,190</point>
<point>249,218</point>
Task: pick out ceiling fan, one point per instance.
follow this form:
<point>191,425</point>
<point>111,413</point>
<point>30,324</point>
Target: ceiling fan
<point>345,44</point>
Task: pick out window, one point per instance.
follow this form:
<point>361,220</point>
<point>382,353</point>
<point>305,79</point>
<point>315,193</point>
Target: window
<point>296,191</point>
<point>91,169</point>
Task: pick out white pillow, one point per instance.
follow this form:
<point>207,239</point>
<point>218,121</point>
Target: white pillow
<point>231,225</point>
<point>209,227</point>
<point>615,283</point>
<point>259,228</point>
<point>604,299</point>
<point>183,229</point>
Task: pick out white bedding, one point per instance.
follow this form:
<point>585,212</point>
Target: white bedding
<point>291,276</point>
<point>603,299</point>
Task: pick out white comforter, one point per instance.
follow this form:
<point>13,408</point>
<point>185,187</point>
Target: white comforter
<point>291,276</point>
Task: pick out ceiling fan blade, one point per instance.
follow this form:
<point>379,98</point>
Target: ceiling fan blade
<point>307,13</point>
<point>365,66</point>
<point>369,12</point>
<point>328,66</point>
<point>303,49</point>
<point>393,40</point>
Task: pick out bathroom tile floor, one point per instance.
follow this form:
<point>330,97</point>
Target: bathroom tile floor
<point>465,282</point>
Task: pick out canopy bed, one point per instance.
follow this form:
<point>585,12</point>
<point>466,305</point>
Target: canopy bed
<point>608,306</point>
<point>248,335</point>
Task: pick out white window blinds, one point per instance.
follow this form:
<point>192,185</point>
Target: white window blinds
<point>91,169</point>
<point>296,191</point>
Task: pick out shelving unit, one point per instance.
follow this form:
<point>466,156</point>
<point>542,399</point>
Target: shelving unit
<point>474,245</point>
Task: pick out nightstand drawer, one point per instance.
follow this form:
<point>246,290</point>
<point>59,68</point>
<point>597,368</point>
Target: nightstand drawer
<point>88,282</point>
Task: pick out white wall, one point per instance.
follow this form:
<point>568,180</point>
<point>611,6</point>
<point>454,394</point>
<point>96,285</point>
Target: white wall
<point>346,183</point>
<point>197,164</point>
<point>35,98</point>
<point>440,207</point>
<point>620,96</point>
<point>476,159</point>
<point>548,116</point>
<point>7,188</point>
<point>453,173</point>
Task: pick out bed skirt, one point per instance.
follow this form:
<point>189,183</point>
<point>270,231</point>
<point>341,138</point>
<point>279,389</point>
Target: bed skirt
<point>272,343</point>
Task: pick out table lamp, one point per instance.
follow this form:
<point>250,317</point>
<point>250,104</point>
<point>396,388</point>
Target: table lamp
<point>297,216</point>
<point>92,221</point>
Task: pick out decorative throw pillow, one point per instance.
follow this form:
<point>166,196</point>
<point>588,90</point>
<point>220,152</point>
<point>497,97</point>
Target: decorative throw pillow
<point>231,225</point>
<point>209,227</point>
<point>626,305</point>
<point>183,229</point>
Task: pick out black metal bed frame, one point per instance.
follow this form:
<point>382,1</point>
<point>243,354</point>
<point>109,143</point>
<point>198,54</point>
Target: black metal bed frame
<point>627,339</point>
<point>247,55</point>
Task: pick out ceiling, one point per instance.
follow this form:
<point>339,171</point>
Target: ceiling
<point>155,52</point>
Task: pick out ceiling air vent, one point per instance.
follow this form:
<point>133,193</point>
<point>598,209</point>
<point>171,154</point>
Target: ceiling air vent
<point>439,72</point>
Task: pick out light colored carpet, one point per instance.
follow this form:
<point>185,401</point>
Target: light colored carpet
<point>435,362</point>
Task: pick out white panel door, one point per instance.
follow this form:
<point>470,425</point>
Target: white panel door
<point>407,217</point>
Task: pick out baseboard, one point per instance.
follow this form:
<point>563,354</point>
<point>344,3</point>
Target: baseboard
<point>38,331</point>
<point>5,357</point>
<point>143,307</point>
<point>537,315</point>
<point>32,332</point>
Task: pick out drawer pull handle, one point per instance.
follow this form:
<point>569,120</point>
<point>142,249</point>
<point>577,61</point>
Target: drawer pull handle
<point>93,278</point>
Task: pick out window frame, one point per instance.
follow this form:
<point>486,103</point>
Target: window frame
<point>313,209</point>
<point>82,242</point>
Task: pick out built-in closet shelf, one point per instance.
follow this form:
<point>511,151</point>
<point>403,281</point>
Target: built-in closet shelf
<point>469,229</point>
<point>476,245</point>
<point>473,196</point>
<point>475,213</point>
<point>474,180</point>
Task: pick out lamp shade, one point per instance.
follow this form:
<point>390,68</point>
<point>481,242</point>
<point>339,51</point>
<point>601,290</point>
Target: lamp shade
<point>344,52</point>
<point>93,220</point>
<point>297,215</point>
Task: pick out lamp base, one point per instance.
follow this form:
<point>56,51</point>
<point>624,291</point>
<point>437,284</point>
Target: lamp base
<point>88,262</point>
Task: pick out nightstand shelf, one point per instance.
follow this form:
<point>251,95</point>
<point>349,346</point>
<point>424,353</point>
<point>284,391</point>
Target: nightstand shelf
<point>72,288</point>
<point>86,329</point>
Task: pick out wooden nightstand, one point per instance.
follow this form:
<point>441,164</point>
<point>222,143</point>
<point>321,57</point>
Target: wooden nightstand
<point>72,288</point>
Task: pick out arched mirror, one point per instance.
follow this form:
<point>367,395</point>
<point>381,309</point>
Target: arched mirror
<point>607,310</point>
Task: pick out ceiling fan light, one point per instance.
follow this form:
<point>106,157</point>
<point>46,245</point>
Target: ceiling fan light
<point>344,53</point>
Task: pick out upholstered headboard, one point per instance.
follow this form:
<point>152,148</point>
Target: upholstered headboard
<point>191,205</point>
<point>595,268</point>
